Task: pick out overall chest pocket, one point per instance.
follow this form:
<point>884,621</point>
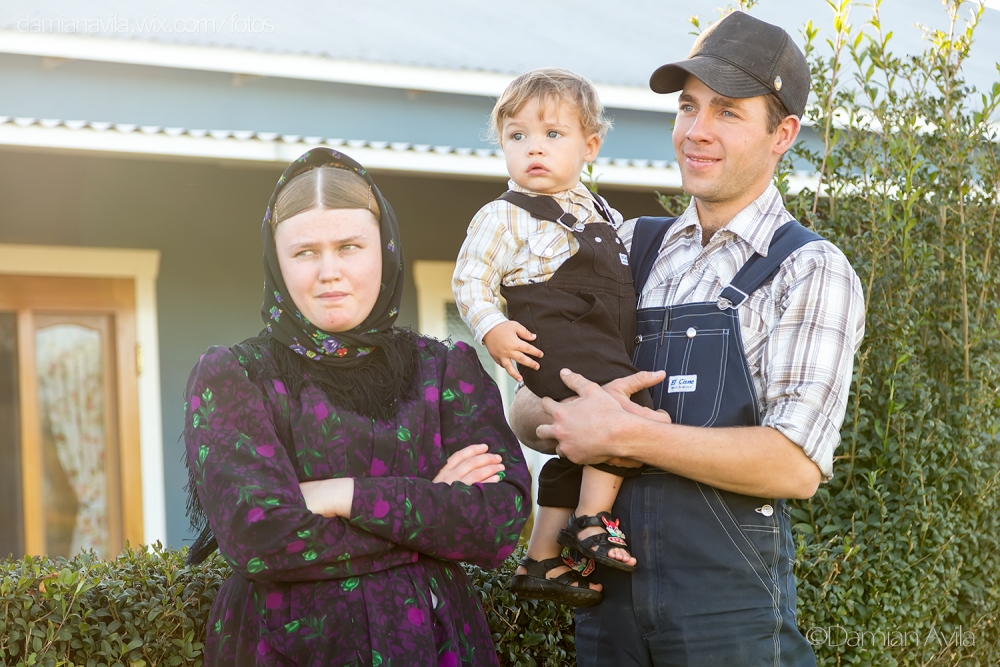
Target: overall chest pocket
<point>694,352</point>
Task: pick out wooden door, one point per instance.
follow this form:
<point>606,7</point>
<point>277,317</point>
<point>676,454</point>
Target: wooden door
<point>69,427</point>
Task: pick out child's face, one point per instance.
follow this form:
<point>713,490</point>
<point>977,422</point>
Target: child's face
<point>546,146</point>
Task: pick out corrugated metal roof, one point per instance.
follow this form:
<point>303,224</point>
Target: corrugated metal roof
<point>294,139</point>
<point>272,147</point>
<point>610,42</point>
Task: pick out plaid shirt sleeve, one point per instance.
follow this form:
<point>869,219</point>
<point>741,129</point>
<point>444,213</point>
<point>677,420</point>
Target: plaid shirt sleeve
<point>486,254</point>
<point>808,359</point>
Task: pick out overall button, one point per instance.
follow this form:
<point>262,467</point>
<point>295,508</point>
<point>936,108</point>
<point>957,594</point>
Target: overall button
<point>766,510</point>
<point>618,241</point>
<point>598,239</point>
<point>638,339</point>
<point>692,332</point>
<point>579,227</point>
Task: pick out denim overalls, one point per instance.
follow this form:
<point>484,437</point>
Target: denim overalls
<point>714,584</point>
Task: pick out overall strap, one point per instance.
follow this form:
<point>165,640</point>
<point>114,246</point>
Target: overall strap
<point>647,235</point>
<point>758,270</point>
<point>602,207</point>
<point>542,207</point>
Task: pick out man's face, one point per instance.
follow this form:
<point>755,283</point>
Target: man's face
<point>725,153</point>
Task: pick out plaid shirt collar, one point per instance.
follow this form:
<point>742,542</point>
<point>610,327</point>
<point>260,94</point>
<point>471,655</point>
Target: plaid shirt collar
<point>578,195</point>
<point>755,224</point>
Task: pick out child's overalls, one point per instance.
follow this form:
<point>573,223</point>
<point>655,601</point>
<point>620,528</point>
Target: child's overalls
<point>714,585</point>
<point>584,320</point>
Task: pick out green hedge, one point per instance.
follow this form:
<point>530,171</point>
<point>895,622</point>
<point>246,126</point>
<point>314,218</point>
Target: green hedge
<point>149,609</point>
<point>137,610</point>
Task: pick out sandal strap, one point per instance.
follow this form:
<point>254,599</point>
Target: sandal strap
<point>602,541</point>
<point>581,522</point>
<point>570,577</point>
<point>539,568</point>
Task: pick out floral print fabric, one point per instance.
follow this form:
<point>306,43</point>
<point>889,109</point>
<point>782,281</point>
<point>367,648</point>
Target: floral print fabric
<point>382,588</point>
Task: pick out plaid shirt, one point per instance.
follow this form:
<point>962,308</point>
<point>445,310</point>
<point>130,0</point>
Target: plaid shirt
<point>800,332</point>
<point>507,245</point>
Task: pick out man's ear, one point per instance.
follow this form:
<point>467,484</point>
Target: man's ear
<point>786,133</point>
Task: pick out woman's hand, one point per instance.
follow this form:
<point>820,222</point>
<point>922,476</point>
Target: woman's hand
<point>471,465</point>
<point>329,497</point>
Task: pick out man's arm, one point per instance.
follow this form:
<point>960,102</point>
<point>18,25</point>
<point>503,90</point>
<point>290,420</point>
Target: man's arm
<point>752,460</point>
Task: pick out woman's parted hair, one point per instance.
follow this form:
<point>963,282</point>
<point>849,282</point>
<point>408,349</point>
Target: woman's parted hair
<point>323,187</point>
<point>551,84</point>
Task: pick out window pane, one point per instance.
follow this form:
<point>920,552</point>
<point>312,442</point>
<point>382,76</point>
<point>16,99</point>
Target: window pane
<point>71,392</point>
<point>11,528</point>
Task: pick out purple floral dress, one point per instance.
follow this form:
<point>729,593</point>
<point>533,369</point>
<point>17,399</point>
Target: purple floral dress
<point>384,587</point>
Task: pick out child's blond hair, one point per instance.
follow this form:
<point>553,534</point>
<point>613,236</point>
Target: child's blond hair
<point>550,84</point>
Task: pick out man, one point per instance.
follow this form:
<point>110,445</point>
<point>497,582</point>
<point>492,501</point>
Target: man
<point>753,367</point>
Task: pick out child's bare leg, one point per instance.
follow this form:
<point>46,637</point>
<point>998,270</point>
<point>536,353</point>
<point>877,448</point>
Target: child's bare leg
<point>598,492</point>
<point>548,522</point>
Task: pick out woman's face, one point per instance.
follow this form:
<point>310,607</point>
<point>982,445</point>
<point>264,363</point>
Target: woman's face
<point>331,260</point>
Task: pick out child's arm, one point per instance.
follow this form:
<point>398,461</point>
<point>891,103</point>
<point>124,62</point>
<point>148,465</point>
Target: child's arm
<point>507,343</point>
<point>488,250</point>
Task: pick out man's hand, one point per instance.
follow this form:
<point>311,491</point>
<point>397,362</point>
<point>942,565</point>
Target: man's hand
<point>586,427</point>
<point>507,343</point>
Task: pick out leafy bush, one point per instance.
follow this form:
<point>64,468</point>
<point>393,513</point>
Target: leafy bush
<point>527,632</point>
<point>150,609</point>
<point>137,610</point>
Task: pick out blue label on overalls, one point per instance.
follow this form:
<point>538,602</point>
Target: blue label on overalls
<point>682,384</point>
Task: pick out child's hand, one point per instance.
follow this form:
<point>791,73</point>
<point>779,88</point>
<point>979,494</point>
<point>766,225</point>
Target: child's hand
<point>507,343</point>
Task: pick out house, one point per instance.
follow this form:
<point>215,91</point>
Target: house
<point>138,149</point>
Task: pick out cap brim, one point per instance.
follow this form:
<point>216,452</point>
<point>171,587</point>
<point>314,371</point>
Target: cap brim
<point>720,76</point>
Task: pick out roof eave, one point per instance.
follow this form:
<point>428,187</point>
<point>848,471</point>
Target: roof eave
<point>296,66</point>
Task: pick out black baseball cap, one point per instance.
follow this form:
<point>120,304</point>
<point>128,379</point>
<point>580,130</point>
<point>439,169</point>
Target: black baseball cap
<point>741,56</point>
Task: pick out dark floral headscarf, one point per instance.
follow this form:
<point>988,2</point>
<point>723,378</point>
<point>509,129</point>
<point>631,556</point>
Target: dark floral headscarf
<point>287,325</point>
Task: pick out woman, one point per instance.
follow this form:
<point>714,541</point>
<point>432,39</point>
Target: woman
<point>344,465</point>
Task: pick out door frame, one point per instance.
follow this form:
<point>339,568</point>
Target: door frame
<point>142,267</point>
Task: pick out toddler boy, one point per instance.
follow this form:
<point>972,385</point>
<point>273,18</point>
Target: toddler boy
<point>549,247</point>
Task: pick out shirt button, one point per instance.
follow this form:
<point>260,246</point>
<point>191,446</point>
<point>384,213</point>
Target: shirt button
<point>692,332</point>
<point>766,510</point>
<point>548,252</point>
